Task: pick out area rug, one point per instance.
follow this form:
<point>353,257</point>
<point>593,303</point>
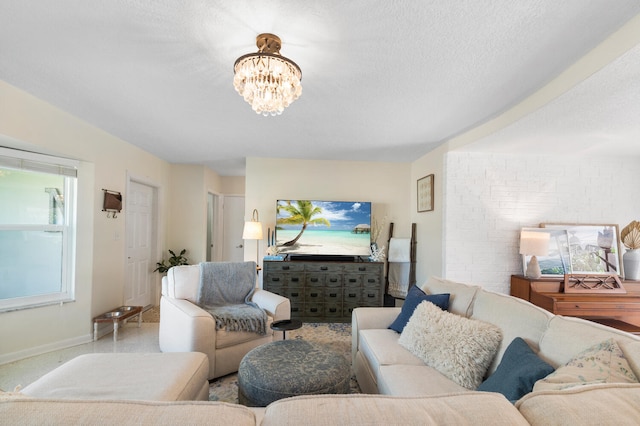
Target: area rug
<point>335,335</point>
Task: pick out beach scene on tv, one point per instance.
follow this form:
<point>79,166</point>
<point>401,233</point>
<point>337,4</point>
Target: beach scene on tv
<point>323,227</point>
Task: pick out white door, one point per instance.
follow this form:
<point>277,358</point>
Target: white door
<point>140,239</point>
<point>233,223</point>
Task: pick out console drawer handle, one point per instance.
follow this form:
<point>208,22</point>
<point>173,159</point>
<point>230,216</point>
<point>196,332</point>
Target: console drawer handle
<point>333,310</point>
<point>323,268</point>
<point>352,280</point>
<point>371,295</point>
<point>314,294</point>
<point>294,309</point>
<point>314,280</point>
<point>362,268</point>
<point>275,279</point>
<point>314,309</point>
<point>372,280</point>
<point>352,295</point>
<point>294,294</point>
<point>333,280</point>
<point>333,295</point>
<point>285,268</point>
<point>295,279</point>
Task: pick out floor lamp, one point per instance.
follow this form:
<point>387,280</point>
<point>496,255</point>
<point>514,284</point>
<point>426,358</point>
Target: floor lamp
<point>253,231</point>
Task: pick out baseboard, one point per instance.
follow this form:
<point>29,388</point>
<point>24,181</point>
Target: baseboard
<point>39,350</point>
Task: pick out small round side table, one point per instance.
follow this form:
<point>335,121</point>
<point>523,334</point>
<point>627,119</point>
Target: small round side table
<point>286,325</point>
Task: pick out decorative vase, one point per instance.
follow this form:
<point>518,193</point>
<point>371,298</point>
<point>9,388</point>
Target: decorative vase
<point>631,261</point>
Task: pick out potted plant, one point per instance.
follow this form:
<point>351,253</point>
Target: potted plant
<point>630,236</point>
<point>174,260</point>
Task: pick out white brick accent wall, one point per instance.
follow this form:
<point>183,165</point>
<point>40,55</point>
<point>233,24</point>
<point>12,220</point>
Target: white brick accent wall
<point>489,197</point>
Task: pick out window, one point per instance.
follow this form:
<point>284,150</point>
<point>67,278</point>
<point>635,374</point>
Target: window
<point>37,229</point>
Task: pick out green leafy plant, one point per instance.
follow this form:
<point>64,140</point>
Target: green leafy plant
<point>174,260</point>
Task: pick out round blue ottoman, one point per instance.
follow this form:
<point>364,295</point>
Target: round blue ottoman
<point>287,368</point>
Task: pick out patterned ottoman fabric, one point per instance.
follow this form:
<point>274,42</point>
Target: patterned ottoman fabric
<point>288,368</point>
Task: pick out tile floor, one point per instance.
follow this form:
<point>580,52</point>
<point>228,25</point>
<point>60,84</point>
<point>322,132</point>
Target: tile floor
<point>130,339</point>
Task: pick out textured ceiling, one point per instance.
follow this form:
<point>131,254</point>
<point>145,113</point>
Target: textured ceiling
<point>382,80</point>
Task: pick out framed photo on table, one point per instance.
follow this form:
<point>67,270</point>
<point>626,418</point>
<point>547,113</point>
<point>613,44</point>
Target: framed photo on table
<point>425,194</point>
<point>592,248</point>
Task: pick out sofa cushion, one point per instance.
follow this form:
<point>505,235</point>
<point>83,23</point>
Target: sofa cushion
<point>462,295</point>
<point>601,363</point>
<point>414,297</point>
<point>84,412</point>
<point>518,371</point>
<point>617,404</point>
<point>567,336</point>
<point>453,409</point>
<point>380,347</point>
<point>412,380</point>
<point>458,347</point>
<point>631,351</point>
<point>516,318</point>
<point>183,282</point>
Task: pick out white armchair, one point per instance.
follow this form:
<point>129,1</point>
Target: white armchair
<point>185,327</point>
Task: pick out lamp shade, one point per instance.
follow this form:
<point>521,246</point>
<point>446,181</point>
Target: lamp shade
<point>534,243</point>
<point>252,231</point>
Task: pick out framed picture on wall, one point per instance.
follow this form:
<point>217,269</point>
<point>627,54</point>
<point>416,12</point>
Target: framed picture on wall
<point>425,194</point>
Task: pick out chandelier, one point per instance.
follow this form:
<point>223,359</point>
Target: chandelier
<point>268,81</point>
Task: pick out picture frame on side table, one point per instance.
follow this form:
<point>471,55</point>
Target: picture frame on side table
<point>425,194</point>
<point>593,248</point>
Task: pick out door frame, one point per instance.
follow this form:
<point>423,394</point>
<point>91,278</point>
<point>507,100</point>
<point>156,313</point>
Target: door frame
<point>158,236</point>
<point>214,226</point>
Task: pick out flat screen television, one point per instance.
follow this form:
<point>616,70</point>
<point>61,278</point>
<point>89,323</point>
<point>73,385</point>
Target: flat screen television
<point>307,228</point>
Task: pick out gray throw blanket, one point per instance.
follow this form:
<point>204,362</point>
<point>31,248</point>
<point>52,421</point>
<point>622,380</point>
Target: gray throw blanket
<point>225,292</point>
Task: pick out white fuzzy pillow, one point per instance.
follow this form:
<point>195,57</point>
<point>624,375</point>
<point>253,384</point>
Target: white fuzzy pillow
<point>460,348</point>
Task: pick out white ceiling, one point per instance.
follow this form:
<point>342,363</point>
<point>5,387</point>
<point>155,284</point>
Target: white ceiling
<point>382,80</point>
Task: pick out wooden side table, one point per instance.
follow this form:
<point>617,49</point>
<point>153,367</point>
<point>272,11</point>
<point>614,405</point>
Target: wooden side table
<point>120,314</point>
<point>617,310</point>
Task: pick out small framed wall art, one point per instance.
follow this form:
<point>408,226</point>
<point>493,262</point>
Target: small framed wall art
<point>425,194</point>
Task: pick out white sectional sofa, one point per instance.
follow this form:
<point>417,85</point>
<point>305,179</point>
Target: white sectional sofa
<point>383,366</point>
<point>413,393</point>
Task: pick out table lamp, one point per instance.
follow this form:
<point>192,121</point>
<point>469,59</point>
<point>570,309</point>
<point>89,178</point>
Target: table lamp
<point>533,243</point>
<point>253,231</point>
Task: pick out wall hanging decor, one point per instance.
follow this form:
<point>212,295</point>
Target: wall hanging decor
<point>425,194</point>
<point>112,203</point>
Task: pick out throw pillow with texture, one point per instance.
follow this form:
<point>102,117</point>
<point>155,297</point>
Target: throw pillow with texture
<point>414,297</point>
<point>460,348</point>
<point>518,371</point>
<point>601,363</point>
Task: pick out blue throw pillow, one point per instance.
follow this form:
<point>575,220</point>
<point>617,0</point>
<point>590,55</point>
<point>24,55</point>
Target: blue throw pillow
<point>519,369</point>
<point>415,296</point>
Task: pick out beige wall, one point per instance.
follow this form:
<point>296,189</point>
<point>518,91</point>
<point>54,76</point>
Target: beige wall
<point>106,162</point>
<point>384,184</point>
<point>429,225</point>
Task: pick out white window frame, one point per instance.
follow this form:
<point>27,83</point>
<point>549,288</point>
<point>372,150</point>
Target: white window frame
<point>29,161</point>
